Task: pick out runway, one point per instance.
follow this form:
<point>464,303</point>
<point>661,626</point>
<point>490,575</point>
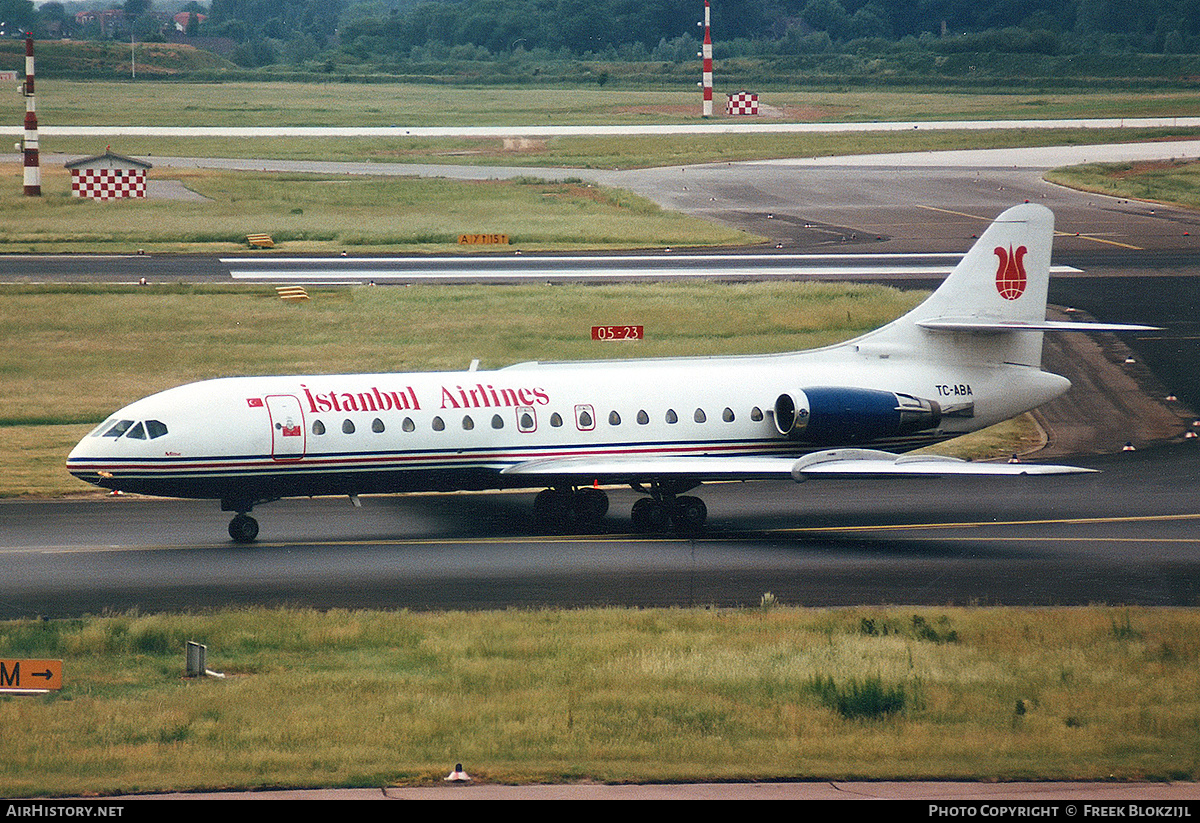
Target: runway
<point>1127,535</point>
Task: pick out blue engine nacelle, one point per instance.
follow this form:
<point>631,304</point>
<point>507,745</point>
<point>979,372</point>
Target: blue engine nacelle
<point>838,415</point>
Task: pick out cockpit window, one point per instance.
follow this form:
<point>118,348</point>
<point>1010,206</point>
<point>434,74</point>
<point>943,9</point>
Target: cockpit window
<point>132,429</point>
<point>103,427</point>
<point>119,429</point>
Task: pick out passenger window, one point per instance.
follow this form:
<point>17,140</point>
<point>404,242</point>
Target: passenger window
<point>556,420</point>
<point>643,418</point>
<point>699,416</point>
<point>756,414</point>
<point>671,416</point>
<point>614,419</point>
<point>497,421</point>
<point>138,432</point>
<point>318,427</point>
<point>155,428</point>
<point>408,425</point>
<point>584,420</point>
<point>439,424</point>
<point>348,426</point>
<point>377,426</point>
<point>468,423</point>
<point>727,415</point>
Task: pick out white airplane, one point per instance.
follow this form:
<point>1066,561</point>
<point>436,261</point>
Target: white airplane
<point>968,357</point>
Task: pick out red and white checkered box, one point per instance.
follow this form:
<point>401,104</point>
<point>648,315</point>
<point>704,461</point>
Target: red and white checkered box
<point>108,184</point>
<point>743,102</point>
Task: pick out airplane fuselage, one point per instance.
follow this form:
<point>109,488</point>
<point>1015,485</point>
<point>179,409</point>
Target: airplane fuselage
<point>259,438</point>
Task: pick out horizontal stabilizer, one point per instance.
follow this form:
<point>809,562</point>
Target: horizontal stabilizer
<point>982,325</point>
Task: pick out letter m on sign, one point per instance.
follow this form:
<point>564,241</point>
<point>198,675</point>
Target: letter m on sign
<point>10,678</point>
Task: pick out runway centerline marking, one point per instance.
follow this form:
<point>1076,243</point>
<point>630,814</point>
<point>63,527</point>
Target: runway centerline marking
<point>1072,521</point>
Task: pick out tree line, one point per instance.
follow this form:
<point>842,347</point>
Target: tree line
<point>383,31</point>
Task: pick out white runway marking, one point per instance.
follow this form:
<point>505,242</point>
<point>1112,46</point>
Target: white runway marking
<point>348,271</point>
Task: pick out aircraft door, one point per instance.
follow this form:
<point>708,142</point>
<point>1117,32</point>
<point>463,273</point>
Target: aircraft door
<point>287,427</point>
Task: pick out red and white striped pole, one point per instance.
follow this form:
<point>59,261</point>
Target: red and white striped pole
<point>708,70</point>
<point>33,171</point>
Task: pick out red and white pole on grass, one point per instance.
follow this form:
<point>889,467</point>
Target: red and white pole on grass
<point>33,170</point>
<point>707,81</point>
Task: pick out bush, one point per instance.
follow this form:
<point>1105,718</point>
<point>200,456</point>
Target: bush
<point>868,698</point>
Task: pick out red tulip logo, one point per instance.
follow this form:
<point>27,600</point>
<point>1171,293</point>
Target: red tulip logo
<point>1010,273</point>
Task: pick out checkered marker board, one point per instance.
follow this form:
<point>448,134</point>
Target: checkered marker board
<point>107,184</point>
<point>742,103</point>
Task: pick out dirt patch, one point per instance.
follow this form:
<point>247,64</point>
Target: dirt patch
<point>1150,166</point>
<point>656,109</point>
<point>802,114</point>
<point>523,144</point>
<point>812,114</point>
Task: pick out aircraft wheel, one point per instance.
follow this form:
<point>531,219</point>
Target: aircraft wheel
<point>590,506</point>
<point>243,528</point>
<point>650,515</point>
<point>552,510</point>
<point>689,515</point>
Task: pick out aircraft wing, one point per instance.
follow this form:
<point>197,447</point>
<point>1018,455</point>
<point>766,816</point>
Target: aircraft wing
<point>832,463</point>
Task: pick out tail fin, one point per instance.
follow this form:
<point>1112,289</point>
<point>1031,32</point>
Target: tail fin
<point>992,307</point>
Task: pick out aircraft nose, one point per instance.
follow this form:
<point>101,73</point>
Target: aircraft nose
<point>84,462</point>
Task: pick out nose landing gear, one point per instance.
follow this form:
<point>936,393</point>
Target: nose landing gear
<point>243,528</point>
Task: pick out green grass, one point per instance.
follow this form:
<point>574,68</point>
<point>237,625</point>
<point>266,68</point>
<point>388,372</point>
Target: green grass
<point>316,213</point>
<point>385,698</point>
<point>1176,182</point>
<point>77,103</point>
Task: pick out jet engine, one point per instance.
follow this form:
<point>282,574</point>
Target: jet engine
<point>843,415</point>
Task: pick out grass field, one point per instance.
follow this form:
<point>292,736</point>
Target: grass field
<point>315,213</point>
<point>76,103</point>
<point>765,692</point>
<point>1176,182</point>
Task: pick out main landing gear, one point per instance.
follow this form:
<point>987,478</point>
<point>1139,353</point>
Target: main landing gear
<point>569,509</point>
<point>663,510</point>
<point>654,515</point>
